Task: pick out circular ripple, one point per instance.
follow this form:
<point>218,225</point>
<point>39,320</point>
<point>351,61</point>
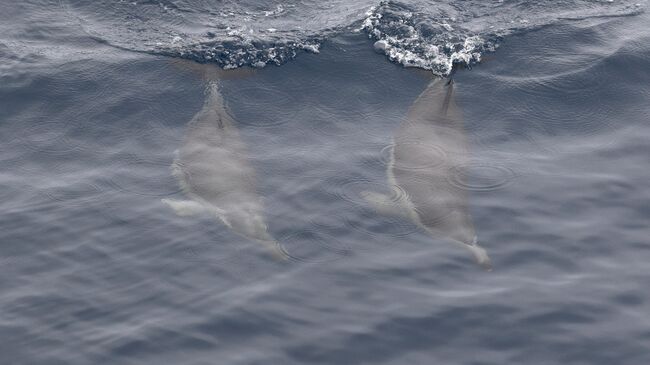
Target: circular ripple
<point>273,107</point>
<point>355,191</point>
<point>143,177</point>
<point>480,177</point>
<point>368,219</point>
<point>350,121</point>
<point>297,161</point>
<point>366,222</point>
<point>312,247</point>
<point>327,123</point>
<point>436,156</point>
<point>375,224</point>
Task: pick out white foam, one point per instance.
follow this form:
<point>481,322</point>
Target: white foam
<point>414,33</point>
<point>400,39</point>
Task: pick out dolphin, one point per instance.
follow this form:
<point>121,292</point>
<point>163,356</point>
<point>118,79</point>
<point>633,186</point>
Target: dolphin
<point>428,147</point>
<point>213,169</point>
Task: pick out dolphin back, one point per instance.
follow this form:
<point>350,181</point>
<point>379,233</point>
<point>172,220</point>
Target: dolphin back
<point>215,158</point>
<point>430,147</point>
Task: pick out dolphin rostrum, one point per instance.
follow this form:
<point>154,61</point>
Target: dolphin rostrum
<point>430,146</point>
<point>212,167</point>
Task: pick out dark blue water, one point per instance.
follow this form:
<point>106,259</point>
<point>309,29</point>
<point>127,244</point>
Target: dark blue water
<point>96,269</point>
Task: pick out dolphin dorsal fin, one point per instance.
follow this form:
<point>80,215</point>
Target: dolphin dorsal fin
<point>444,108</point>
<point>436,100</point>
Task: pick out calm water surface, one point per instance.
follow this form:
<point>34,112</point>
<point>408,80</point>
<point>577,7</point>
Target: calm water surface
<point>97,270</point>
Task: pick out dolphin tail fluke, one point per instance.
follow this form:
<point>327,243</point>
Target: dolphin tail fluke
<point>480,255</point>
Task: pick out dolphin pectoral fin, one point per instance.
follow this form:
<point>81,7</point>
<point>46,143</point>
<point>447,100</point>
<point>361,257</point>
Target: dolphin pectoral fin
<point>185,208</point>
<point>384,204</point>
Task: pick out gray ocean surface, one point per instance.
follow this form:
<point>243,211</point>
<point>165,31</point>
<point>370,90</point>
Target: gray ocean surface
<point>96,269</point>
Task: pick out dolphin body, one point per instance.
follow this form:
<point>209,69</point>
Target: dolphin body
<point>429,146</point>
<point>213,170</point>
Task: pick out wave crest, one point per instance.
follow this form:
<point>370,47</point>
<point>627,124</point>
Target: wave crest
<point>235,33</point>
<point>422,40</point>
<point>232,55</point>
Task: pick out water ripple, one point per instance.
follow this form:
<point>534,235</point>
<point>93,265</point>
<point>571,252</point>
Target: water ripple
<point>76,193</point>
<point>435,157</point>
<point>48,136</point>
<point>481,177</point>
<point>366,218</point>
<point>312,246</point>
<point>140,176</point>
<point>273,106</point>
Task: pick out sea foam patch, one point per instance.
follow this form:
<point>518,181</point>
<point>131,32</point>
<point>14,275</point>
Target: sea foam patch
<point>429,35</point>
<point>416,39</point>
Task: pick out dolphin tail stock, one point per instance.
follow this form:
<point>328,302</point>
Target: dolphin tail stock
<point>275,250</point>
<point>480,255</point>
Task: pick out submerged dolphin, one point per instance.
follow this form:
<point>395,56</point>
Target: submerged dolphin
<point>429,147</point>
<point>213,169</point>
